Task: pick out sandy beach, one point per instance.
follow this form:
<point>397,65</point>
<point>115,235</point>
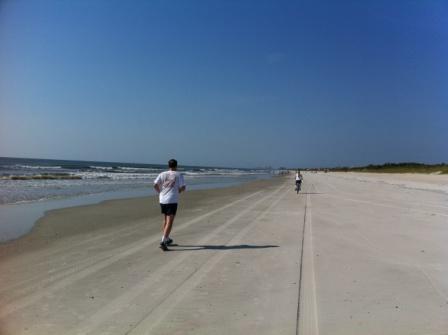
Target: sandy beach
<point>351,254</point>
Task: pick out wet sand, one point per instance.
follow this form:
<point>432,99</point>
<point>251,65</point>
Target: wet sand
<point>351,254</point>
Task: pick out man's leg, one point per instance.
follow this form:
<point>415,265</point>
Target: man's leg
<point>167,225</point>
<point>165,222</point>
<point>169,219</point>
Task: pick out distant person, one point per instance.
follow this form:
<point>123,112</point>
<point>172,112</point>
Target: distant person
<point>168,185</point>
<point>299,179</point>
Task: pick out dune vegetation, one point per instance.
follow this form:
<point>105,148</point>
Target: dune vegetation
<point>410,167</point>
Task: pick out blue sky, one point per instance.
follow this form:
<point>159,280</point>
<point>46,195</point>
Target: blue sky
<point>225,83</point>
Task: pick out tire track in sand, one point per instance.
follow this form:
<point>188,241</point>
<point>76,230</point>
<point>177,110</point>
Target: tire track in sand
<point>307,314</point>
<point>174,298</point>
<point>115,308</point>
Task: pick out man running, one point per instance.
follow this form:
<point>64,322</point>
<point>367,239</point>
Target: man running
<point>168,185</point>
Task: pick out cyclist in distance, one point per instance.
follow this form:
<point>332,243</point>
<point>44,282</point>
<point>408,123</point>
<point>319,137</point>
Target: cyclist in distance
<point>299,179</point>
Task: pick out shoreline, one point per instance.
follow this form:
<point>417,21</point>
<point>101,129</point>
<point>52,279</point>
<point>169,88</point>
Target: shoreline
<point>18,219</point>
<point>45,229</point>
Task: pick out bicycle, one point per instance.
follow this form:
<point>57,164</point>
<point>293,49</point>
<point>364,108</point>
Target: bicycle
<point>298,186</point>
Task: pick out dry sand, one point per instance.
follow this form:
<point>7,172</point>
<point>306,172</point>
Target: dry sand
<point>351,254</point>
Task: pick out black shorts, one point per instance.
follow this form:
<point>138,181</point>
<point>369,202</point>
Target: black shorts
<point>169,209</point>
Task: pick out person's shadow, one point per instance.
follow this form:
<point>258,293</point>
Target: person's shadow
<point>183,247</point>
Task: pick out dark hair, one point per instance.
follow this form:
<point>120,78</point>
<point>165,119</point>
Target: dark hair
<point>172,163</point>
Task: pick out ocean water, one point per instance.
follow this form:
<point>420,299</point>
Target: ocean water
<point>30,187</point>
<point>27,180</point>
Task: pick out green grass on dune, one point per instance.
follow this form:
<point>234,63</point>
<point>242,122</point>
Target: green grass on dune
<point>397,168</point>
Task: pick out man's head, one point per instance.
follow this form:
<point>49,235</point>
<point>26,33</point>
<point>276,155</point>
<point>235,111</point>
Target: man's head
<point>172,164</point>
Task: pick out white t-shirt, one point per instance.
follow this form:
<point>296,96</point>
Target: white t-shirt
<point>169,183</point>
<point>298,177</point>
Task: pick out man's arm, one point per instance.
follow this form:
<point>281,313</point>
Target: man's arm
<point>157,183</point>
<point>182,183</point>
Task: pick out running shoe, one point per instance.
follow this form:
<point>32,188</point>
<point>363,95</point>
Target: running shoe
<point>164,246</point>
<point>169,241</point>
